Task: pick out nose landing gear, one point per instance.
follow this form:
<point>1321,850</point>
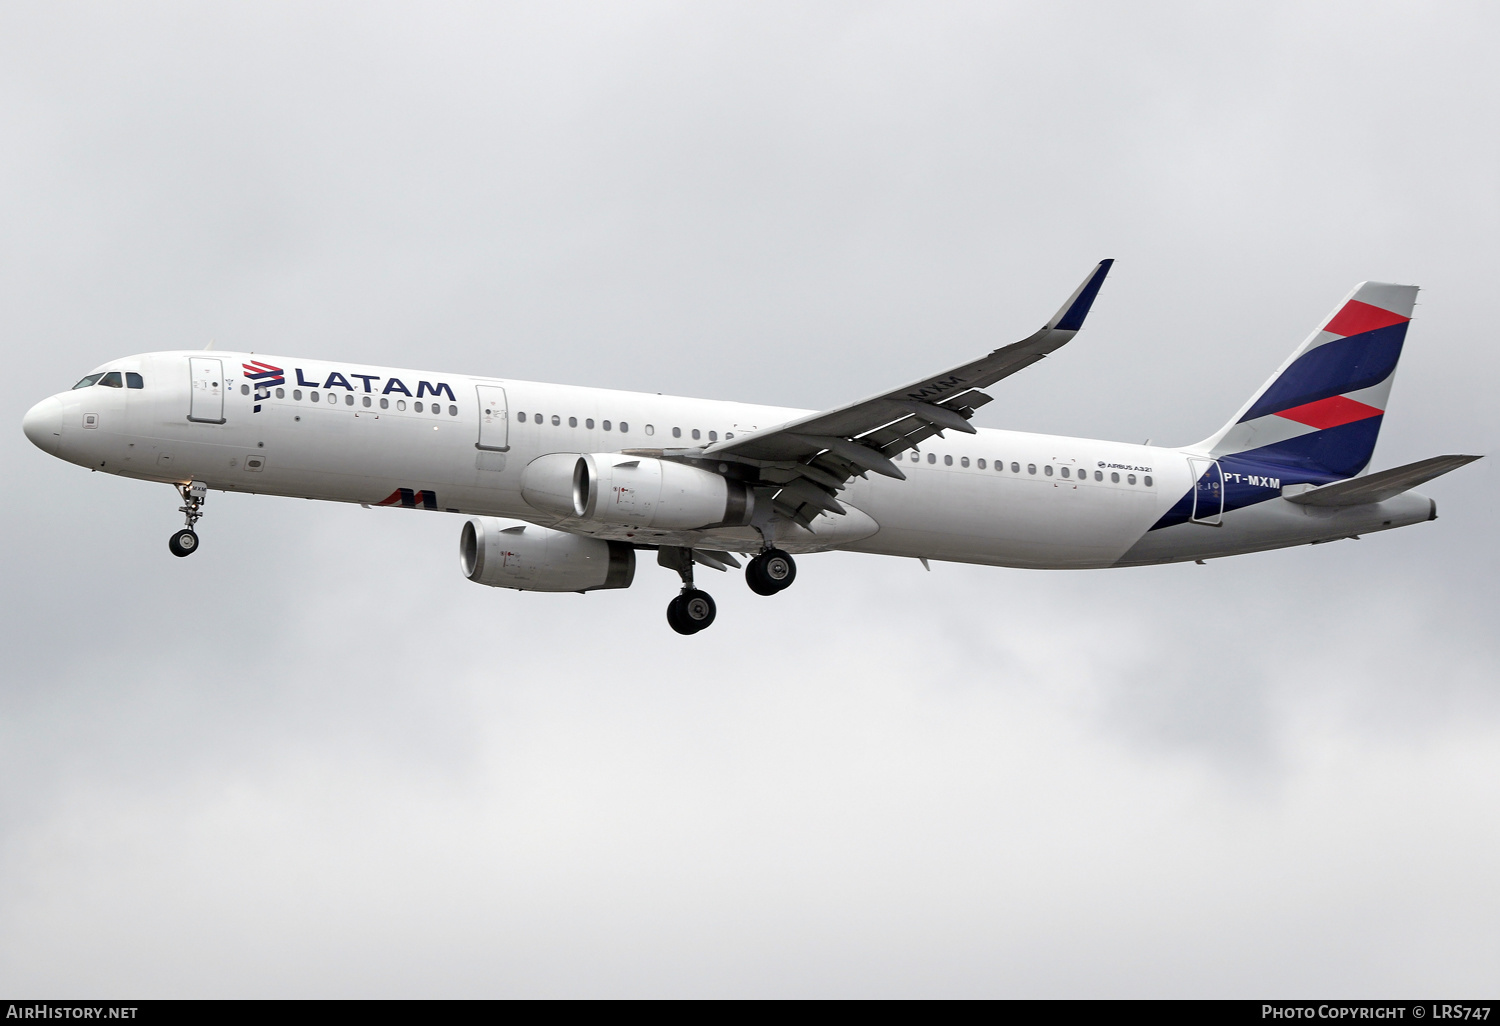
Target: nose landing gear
<point>770,572</point>
<point>185,542</point>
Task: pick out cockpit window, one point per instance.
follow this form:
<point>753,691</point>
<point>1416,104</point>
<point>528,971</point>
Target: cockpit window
<point>90,380</point>
<point>112,380</point>
<point>133,380</point>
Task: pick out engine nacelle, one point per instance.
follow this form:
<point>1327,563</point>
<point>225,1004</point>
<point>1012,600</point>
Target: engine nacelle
<point>515,554</point>
<point>635,491</point>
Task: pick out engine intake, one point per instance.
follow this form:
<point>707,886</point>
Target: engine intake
<point>515,554</point>
<point>635,491</point>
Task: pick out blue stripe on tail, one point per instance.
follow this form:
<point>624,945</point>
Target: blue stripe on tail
<point>1343,365</point>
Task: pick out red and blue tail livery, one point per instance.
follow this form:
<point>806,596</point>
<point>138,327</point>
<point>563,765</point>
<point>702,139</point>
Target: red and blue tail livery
<point>1318,417</point>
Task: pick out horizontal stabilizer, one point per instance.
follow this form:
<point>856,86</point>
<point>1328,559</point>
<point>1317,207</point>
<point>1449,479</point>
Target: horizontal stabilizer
<point>1357,491</point>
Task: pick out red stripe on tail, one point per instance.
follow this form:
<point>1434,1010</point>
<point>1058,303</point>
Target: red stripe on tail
<point>1330,412</point>
<point>1356,318</point>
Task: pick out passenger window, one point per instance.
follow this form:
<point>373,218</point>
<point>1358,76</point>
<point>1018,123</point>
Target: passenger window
<point>1130,479</point>
<point>349,401</point>
<point>589,423</point>
<point>312,397</point>
<point>367,401</point>
<point>624,427</point>
<point>1114,478</point>
<point>112,380</point>
<point>1064,471</point>
<point>556,420</point>
<point>536,418</point>
<point>650,430</point>
<point>244,389</point>
<point>1048,469</point>
<point>1146,480</point>
<point>932,457</point>
<point>677,432</point>
<point>964,462</point>
<point>520,416</point>
<point>1031,468</point>
<point>572,422</point>
<point>418,407</point>
<point>297,394</point>
<point>713,436</point>
<point>696,434</point>
<point>385,404</point>
<point>92,379</point>
<point>947,461</point>
<point>1015,468</point>
<point>280,392</point>
<point>1098,475</point>
<point>605,425</point>
<point>400,404</point>
<point>728,435</point>
<point>134,380</point>
<point>982,465</point>
<point>452,410</point>
<point>332,398</point>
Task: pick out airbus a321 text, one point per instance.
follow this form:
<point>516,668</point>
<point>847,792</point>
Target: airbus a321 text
<point>563,486</point>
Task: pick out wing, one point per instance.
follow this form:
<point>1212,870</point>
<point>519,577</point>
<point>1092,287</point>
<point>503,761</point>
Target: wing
<point>810,459</point>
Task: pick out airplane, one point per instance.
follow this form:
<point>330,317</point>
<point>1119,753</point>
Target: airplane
<point>563,485</point>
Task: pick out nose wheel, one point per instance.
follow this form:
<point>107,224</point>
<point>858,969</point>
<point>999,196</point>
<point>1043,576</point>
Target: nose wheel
<point>770,572</point>
<point>185,541</point>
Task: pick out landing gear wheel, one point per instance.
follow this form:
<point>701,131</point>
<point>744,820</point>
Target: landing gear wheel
<point>770,572</point>
<point>183,543</point>
<point>691,611</point>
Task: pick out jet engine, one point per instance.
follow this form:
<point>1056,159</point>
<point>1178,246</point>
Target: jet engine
<point>635,491</point>
<point>515,554</point>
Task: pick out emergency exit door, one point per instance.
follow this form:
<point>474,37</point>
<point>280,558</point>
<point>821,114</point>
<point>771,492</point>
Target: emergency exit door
<point>206,403</point>
<point>494,419</point>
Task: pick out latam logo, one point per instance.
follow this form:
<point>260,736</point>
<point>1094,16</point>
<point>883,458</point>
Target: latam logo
<point>264,376</point>
<point>410,499</point>
<point>337,380</point>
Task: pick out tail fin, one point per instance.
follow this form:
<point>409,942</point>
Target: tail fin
<point>1319,415</point>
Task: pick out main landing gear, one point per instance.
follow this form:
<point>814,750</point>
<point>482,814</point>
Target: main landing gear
<point>692,610</point>
<point>770,572</point>
<point>185,541</point>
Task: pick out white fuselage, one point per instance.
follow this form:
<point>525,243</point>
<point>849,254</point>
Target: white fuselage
<point>360,434</point>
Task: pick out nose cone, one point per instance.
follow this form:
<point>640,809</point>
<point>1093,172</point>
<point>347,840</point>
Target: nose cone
<point>43,424</point>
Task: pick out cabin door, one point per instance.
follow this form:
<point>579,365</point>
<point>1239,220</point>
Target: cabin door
<point>1208,492</point>
<point>494,419</point>
<point>206,405</point>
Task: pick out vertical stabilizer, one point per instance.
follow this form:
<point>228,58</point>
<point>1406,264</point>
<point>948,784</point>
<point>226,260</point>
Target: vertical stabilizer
<point>1321,411</point>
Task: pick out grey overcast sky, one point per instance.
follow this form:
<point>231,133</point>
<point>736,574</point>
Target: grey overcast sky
<point>313,760</point>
